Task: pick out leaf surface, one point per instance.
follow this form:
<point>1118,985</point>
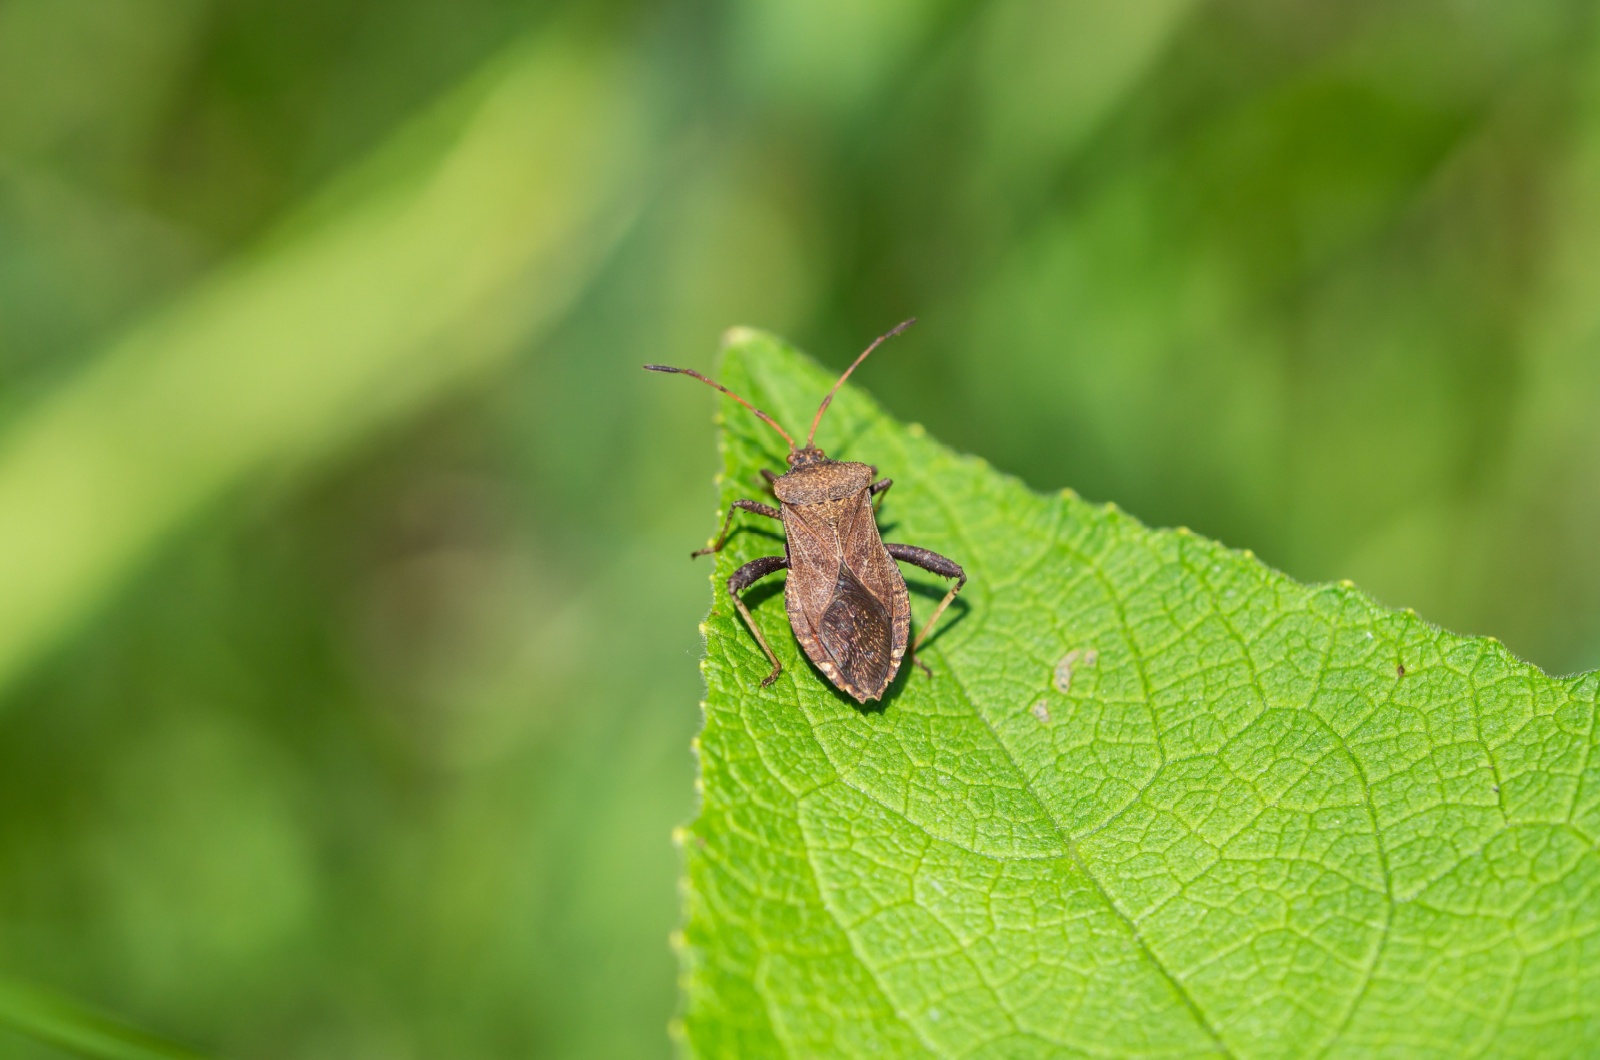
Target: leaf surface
<point>1156,799</point>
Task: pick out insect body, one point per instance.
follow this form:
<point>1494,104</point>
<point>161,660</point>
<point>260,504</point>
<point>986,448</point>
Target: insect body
<point>846,600</point>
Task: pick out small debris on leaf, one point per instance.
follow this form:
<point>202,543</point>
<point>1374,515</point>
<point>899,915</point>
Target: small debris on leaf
<point>1063,677</point>
<point>1041,710</point>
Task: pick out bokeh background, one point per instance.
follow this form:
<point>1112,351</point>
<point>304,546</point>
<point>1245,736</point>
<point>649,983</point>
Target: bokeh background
<point>347,635</point>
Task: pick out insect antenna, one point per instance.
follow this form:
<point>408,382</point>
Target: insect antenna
<point>891,333</point>
<point>768,420</point>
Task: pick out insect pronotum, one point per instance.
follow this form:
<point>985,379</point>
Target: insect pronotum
<point>846,600</point>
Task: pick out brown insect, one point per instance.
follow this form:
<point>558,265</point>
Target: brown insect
<point>846,600</point>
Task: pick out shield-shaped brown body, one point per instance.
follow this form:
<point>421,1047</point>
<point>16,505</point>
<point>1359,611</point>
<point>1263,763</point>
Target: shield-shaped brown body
<point>847,602</point>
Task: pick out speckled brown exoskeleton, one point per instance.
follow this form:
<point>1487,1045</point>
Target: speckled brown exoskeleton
<point>846,600</point>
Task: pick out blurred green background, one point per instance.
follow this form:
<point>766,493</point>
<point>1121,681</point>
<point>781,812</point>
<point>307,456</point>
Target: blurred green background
<point>347,635</point>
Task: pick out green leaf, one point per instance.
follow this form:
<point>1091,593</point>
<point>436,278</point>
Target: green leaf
<point>1157,799</point>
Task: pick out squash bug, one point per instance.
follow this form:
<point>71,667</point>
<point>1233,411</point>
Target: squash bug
<point>846,599</point>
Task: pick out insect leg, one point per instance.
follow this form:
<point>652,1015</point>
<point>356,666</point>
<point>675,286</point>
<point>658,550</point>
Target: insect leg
<point>877,490</point>
<point>742,579</point>
<point>722,538</point>
<point>937,564</point>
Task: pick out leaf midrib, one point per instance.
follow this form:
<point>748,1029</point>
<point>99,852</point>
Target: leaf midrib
<point>934,489</point>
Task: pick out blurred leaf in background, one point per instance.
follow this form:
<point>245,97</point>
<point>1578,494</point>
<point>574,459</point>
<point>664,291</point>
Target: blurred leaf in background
<point>349,638</point>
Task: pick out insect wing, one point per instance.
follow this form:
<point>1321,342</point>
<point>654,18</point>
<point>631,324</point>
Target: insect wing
<point>857,630</point>
<point>846,600</point>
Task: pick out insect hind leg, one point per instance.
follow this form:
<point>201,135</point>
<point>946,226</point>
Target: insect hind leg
<point>935,564</point>
<point>741,580</point>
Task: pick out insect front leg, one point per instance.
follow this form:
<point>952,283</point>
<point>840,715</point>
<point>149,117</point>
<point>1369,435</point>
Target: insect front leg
<point>936,564</point>
<point>741,580</point>
<point>877,490</point>
<point>722,538</point>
